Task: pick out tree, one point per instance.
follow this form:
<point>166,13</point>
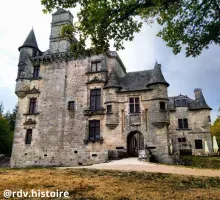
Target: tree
<point>215,129</point>
<point>192,24</point>
<point>11,117</point>
<point>6,137</point>
<point>1,109</point>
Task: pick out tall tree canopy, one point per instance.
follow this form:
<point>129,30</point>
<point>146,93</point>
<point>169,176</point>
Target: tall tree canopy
<point>215,129</point>
<point>189,24</point>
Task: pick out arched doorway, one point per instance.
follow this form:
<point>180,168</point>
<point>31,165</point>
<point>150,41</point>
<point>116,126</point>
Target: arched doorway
<point>135,142</point>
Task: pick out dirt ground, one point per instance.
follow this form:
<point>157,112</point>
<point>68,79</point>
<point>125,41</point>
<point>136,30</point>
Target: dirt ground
<point>133,164</point>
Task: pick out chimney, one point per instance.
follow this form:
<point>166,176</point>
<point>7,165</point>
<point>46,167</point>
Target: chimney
<point>198,94</point>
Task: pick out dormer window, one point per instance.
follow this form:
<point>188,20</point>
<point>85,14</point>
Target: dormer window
<point>96,66</point>
<point>181,103</point>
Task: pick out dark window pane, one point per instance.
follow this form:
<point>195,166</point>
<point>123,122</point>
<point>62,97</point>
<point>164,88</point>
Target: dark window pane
<point>109,108</point>
<point>183,139</point>
<point>185,123</point>
<point>179,139</point>
<point>131,108</point>
<point>180,123</point>
<point>209,119</point>
<point>198,144</point>
<point>136,100</point>
<point>36,71</point>
<point>28,136</point>
<point>137,108</point>
<point>94,129</point>
<point>162,106</point>
<point>71,105</point>
<point>183,102</point>
<point>95,99</point>
<point>131,100</point>
<point>32,106</point>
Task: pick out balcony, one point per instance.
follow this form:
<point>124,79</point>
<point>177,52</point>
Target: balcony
<point>112,120</point>
<point>160,118</point>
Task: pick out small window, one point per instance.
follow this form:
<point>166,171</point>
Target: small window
<point>28,136</point>
<point>32,106</point>
<point>71,105</point>
<point>162,106</point>
<point>182,139</point>
<point>34,54</point>
<point>134,104</point>
<point>94,130</point>
<point>96,66</point>
<point>19,73</point>
<point>198,144</point>
<point>184,104</point>
<point>109,109</point>
<point>36,71</point>
<point>209,119</point>
<point>183,123</point>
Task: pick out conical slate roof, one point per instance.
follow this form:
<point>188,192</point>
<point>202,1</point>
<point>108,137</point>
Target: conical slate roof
<point>30,41</point>
<point>157,76</point>
<point>113,81</point>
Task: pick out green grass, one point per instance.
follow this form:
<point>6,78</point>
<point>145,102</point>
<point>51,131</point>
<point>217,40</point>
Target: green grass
<point>211,162</point>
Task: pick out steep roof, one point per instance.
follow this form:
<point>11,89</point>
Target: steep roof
<point>157,76</point>
<point>30,41</point>
<point>113,80</point>
<point>60,11</point>
<point>133,81</point>
<point>197,104</point>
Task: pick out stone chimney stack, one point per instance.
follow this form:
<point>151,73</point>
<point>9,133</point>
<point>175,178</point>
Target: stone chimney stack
<point>198,94</point>
<point>57,42</point>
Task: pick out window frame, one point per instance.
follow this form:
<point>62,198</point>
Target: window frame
<point>183,124</point>
<point>33,106</point>
<point>96,66</point>
<point>95,99</point>
<point>36,71</point>
<point>109,109</point>
<point>196,144</point>
<point>28,138</point>
<point>162,106</point>
<point>70,106</point>
<point>182,139</point>
<point>134,105</point>
<point>94,130</point>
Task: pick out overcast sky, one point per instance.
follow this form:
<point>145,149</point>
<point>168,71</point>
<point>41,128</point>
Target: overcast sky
<point>183,74</point>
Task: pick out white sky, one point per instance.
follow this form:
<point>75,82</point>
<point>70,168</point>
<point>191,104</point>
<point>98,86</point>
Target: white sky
<point>183,74</point>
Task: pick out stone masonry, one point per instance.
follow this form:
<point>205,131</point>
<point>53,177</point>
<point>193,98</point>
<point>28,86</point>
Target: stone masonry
<point>84,111</point>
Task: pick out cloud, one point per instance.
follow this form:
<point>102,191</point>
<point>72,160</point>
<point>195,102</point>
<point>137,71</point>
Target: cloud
<point>183,74</point>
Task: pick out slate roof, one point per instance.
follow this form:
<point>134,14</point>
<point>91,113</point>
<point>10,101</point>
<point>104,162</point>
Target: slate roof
<point>157,76</point>
<point>196,104</point>
<point>113,81</point>
<point>60,11</point>
<point>30,41</point>
<point>136,81</point>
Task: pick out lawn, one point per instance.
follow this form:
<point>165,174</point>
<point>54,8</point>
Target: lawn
<point>103,184</point>
<point>202,161</point>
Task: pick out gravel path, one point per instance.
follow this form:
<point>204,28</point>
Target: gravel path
<point>133,164</point>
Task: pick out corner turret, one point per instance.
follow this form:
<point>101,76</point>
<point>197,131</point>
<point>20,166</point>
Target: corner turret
<point>28,50</point>
<point>157,76</point>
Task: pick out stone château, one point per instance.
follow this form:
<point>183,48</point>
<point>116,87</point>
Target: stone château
<point>89,110</point>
